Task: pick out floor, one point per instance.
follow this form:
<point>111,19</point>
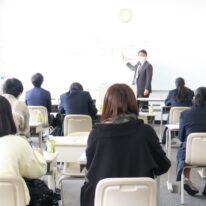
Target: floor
<point>71,188</point>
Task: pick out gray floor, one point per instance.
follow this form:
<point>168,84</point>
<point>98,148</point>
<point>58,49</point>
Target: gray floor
<point>71,188</point>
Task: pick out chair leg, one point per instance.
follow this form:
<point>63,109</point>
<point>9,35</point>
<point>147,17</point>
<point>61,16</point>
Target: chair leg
<point>182,188</point>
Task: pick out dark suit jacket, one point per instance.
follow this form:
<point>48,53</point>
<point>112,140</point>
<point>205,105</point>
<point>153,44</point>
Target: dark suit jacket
<point>191,120</point>
<point>77,102</point>
<point>170,100</point>
<point>144,78</point>
<point>38,97</point>
<point>129,149</point>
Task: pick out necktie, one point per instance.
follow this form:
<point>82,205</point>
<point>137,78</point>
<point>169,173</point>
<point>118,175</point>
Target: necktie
<point>139,69</point>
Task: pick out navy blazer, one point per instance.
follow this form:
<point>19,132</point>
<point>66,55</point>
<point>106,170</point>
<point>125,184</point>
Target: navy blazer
<point>77,102</point>
<point>38,97</point>
<point>191,120</point>
<point>171,101</point>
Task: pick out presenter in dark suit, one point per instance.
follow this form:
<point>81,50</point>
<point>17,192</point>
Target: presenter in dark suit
<point>38,96</point>
<point>191,120</point>
<point>181,96</point>
<point>77,101</point>
<point>143,72</point>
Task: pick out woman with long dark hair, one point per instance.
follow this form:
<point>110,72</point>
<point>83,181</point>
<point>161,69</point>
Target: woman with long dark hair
<point>121,145</point>
<point>181,96</point>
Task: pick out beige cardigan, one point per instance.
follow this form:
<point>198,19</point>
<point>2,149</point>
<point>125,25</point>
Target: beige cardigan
<point>21,115</point>
<point>18,159</point>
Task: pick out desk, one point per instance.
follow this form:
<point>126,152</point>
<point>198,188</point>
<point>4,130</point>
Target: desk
<point>171,128</point>
<point>70,148</point>
<point>36,129</point>
<point>149,99</point>
<point>51,159</point>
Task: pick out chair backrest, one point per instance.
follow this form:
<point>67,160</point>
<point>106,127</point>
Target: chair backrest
<point>143,117</point>
<point>174,114</point>
<point>35,111</point>
<point>126,191</point>
<point>196,149</point>
<point>12,191</point>
<point>77,123</point>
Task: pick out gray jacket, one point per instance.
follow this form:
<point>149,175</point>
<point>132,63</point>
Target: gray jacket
<point>144,78</point>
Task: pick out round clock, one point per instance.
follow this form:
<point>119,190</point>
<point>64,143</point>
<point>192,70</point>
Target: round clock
<point>125,15</point>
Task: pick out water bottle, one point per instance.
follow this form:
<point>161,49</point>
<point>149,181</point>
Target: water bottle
<point>39,117</point>
<point>50,145</point>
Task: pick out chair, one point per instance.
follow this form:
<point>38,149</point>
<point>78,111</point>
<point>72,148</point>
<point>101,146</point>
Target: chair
<point>77,123</point>
<point>12,191</point>
<point>126,191</point>
<point>39,114</point>
<point>195,155</point>
<point>174,114</point>
<point>35,111</point>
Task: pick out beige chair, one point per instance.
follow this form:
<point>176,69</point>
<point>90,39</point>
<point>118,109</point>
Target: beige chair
<point>39,114</point>
<point>174,114</point>
<point>143,117</point>
<point>12,192</point>
<point>195,155</point>
<point>77,123</point>
<point>126,191</point>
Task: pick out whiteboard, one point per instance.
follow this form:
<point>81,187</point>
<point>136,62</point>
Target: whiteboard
<point>74,41</point>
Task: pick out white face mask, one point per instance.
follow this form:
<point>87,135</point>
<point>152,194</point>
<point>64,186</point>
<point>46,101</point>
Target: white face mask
<point>141,58</point>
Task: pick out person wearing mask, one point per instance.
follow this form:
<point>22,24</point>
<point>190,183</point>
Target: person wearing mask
<point>12,89</point>
<point>181,96</point>
<point>38,96</point>
<point>191,120</point>
<point>143,72</point>
<point>121,145</point>
<point>17,159</point>
<point>77,101</point>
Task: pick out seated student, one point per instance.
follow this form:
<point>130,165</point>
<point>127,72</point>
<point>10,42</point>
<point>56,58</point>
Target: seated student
<point>121,145</point>
<point>191,120</point>
<point>77,101</point>
<point>16,155</point>
<point>12,89</point>
<point>181,96</point>
<point>39,96</point>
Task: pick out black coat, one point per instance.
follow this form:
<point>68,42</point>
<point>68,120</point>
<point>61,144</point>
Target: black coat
<point>129,149</point>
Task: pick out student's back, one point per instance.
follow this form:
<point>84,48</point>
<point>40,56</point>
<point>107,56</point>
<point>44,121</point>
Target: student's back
<point>77,101</point>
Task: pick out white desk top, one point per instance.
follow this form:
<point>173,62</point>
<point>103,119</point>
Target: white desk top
<point>151,99</point>
<point>172,127</point>
<point>71,140</point>
<point>50,156</point>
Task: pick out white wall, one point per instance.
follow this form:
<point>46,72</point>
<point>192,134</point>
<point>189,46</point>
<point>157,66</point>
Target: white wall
<point>84,40</point>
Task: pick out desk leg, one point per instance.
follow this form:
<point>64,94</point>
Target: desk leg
<point>168,143</point>
<point>161,124</point>
<point>202,173</point>
<point>51,174</point>
<point>40,139</point>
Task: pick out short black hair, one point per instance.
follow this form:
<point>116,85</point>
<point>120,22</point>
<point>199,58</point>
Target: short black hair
<point>37,79</point>
<point>7,125</point>
<point>13,86</point>
<point>76,86</point>
<point>143,51</point>
<point>200,96</point>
